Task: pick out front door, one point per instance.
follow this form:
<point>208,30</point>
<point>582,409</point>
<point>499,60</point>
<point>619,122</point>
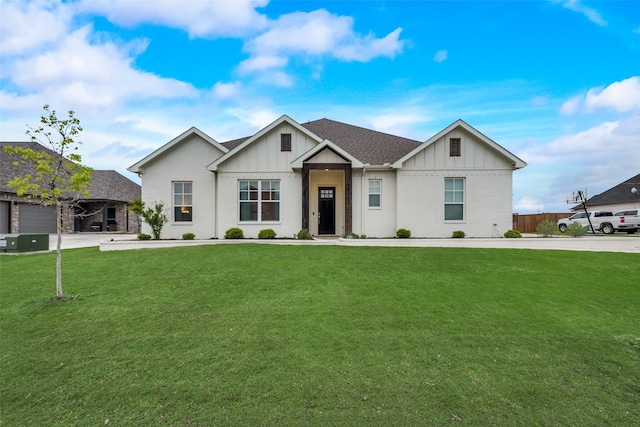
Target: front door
<point>327,210</point>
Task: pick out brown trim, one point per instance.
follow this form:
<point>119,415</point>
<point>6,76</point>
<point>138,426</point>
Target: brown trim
<point>348,191</point>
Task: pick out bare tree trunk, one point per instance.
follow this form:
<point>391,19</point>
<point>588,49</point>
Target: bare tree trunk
<point>59,294</point>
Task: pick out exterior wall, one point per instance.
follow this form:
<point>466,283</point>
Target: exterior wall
<point>187,161</point>
<point>375,222</point>
<point>614,207</point>
<point>487,203</point>
<point>261,160</point>
<point>229,205</point>
<point>487,193</point>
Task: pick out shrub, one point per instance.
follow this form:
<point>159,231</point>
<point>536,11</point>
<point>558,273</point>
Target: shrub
<point>304,235</point>
<point>512,234</point>
<point>547,228</point>
<point>353,235</point>
<point>575,229</point>
<point>188,236</point>
<point>144,236</point>
<point>267,233</point>
<point>458,234</point>
<point>403,233</point>
<point>155,217</point>
<point>234,233</point>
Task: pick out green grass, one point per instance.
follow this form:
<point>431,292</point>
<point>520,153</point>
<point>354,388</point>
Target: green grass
<point>293,335</point>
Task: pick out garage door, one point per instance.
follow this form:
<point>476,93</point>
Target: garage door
<point>4,217</point>
<point>37,219</point>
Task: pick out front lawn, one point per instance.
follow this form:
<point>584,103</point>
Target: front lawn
<point>248,335</point>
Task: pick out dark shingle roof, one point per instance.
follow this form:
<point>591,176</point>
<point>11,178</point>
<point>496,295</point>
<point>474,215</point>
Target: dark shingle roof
<point>104,185</point>
<point>366,145</point>
<point>621,193</point>
<point>110,185</point>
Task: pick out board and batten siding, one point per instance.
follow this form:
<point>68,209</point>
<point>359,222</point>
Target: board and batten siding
<point>187,161</point>
<point>265,155</point>
<point>474,155</point>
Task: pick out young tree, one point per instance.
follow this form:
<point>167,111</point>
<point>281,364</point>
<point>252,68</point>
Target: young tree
<point>155,217</point>
<point>56,178</point>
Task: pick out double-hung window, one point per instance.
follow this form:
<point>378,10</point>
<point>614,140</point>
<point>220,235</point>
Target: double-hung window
<point>375,189</point>
<point>183,201</point>
<point>454,199</point>
<point>259,200</point>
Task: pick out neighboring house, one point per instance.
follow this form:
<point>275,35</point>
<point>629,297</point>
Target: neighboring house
<point>332,178</point>
<point>619,198</point>
<point>104,210</point>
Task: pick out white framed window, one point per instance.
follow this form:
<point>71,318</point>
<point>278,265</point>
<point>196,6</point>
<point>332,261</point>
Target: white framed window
<point>375,193</point>
<point>183,201</point>
<point>454,199</point>
<point>259,200</point>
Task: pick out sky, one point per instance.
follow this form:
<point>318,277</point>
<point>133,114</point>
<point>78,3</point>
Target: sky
<point>556,82</point>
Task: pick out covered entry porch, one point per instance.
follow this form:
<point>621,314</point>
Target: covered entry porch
<point>327,198</point>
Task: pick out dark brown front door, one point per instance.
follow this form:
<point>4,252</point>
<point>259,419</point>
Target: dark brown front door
<point>327,210</point>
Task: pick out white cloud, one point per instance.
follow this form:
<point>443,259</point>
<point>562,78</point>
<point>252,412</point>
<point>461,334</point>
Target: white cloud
<point>572,105</point>
<point>25,26</point>
<point>262,62</point>
<point>198,18</point>
<point>78,73</point>
<point>398,123</point>
<point>226,90</point>
<point>590,13</point>
<point>440,56</point>
<point>597,158</point>
<point>321,33</point>
<point>528,204</point>
<point>620,96</point>
<point>257,119</point>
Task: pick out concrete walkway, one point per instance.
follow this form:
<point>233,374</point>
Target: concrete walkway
<point>598,243</point>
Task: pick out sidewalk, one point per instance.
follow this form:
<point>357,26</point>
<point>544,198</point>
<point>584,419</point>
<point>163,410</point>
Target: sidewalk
<point>598,243</point>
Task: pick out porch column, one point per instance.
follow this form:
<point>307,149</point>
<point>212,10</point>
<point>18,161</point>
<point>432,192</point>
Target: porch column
<point>305,196</point>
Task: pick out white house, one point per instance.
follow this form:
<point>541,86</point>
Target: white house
<point>332,178</point>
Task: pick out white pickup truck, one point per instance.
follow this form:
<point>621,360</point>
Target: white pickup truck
<point>600,221</point>
<point>627,220</point>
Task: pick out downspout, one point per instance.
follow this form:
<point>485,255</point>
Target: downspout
<point>363,201</point>
<point>215,205</point>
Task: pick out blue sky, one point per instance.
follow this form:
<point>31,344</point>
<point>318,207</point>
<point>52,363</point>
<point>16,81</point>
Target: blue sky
<point>555,82</point>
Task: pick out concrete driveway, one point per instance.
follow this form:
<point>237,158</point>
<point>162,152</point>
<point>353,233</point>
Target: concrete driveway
<point>598,243</point>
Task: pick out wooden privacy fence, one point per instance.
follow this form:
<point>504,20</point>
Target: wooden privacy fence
<point>528,223</point>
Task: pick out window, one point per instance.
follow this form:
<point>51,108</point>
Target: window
<point>182,201</point>
<point>374,193</point>
<point>285,142</point>
<point>259,201</point>
<point>454,199</point>
<point>454,147</point>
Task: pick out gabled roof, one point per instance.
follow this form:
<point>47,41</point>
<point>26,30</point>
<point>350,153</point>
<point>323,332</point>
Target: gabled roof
<point>248,141</point>
<point>298,163</point>
<point>8,170</point>
<point>515,160</point>
<point>104,184</point>
<point>112,186</point>
<point>175,142</point>
<point>621,193</point>
<point>368,146</point>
